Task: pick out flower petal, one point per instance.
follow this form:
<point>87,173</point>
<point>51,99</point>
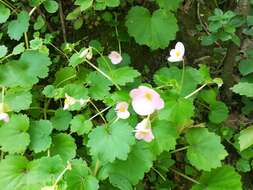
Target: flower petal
<point>180,47</point>
<point>142,106</point>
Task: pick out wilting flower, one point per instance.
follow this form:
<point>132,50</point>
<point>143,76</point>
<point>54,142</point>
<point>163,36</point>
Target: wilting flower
<point>177,54</point>
<point>69,101</point>
<point>122,110</point>
<point>87,53</point>
<point>145,100</point>
<point>4,117</point>
<point>115,57</point>
<point>143,131</point>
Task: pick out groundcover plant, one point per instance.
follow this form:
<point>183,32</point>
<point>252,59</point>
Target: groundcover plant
<point>126,94</point>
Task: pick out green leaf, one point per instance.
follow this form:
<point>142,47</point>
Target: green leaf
<point>178,111</point>
<point>170,5</point>
<point>61,120</point>
<point>4,13</point>
<point>165,136</point>
<point>218,113</point>
<point>64,76</point>
<point>160,27</point>
<point>20,48</point>
<point>99,86</point>
<point>40,135</point>
<point>124,75</point>
<point>80,125</point>
<point>246,138</point>
<point>246,65</point>
<point>205,150</point>
<point>51,6</point>
<point>18,99</point>
<point>39,23</point>
<point>75,60</point>
<point>224,178</point>
<point>79,177</point>
<point>17,28</point>
<point>13,135</point>
<point>3,51</point>
<point>102,4</point>
<point>243,88</point>
<point>243,165</point>
<point>138,162</point>
<point>84,4</point>
<point>118,139</point>
<point>63,145</point>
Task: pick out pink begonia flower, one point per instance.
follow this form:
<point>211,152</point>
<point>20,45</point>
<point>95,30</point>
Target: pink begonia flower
<point>143,131</point>
<point>145,100</point>
<point>69,101</point>
<point>122,110</point>
<point>115,57</point>
<point>177,54</point>
<point>4,117</point>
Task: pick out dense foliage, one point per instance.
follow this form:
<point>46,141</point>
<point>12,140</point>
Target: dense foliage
<point>126,94</point>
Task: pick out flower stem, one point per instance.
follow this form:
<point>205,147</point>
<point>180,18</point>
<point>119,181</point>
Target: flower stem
<point>195,92</point>
<point>68,167</point>
<point>184,176</point>
<point>182,77</point>
<point>179,149</point>
<point>98,112</point>
<point>96,168</point>
<point>159,173</point>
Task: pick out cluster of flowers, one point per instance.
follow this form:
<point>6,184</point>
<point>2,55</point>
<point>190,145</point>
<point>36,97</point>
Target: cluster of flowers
<point>145,101</point>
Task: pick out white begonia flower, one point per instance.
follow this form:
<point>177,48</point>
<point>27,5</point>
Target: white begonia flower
<point>4,117</point>
<point>115,57</point>
<point>87,53</point>
<point>69,101</point>
<point>177,54</point>
<point>122,110</point>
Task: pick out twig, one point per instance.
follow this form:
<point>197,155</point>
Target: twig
<point>184,176</point>
<point>62,22</point>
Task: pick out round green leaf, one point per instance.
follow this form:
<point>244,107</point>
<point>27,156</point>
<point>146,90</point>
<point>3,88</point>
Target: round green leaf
<point>61,120</point>
<point>4,13</point>
<point>51,6</point>
<point>155,31</point>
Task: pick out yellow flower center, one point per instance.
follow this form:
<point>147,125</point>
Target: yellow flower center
<point>149,96</point>
<point>178,53</point>
<point>122,109</point>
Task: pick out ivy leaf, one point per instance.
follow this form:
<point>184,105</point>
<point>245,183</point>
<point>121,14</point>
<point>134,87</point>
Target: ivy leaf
<point>79,177</point>
<point>4,13</point>
<point>223,178</point>
<point>18,99</point>
<point>205,149</point>
<point>246,138</point>
<point>61,120</point>
<point>118,138</point>
<point>165,136</point>
<point>51,6</point>
<point>124,75</point>
<point>84,4</point>
<point>13,135</point>
<point>17,28</point>
<point>3,51</point>
<point>40,135</point>
<point>63,145</point>
<point>80,125</point>
<point>138,162</point>
<point>244,89</point>
<point>160,27</point>
<point>218,113</point>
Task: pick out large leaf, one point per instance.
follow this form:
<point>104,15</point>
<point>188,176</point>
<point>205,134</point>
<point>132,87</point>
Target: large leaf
<point>205,150</point>
<point>17,28</point>
<point>40,135</point>
<point>218,113</point>
<point>124,75</point>
<point>138,162</point>
<point>13,135</point>
<point>63,145</point>
<point>224,178</point>
<point>61,120</point>
<point>118,139</point>
<point>160,27</point>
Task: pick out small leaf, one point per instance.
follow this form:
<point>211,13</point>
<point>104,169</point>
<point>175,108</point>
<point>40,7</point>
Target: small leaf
<point>84,4</point>
<point>224,178</point>
<point>61,120</point>
<point>3,51</point>
<point>17,28</point>
<point>118,138</point>
<point>4,13</point>
<point>205,149</point>
<point>20,48</point>
<point>39,23</point>
<point>243,88</point>
<point>246,138</point>
<point>51,6</point>
<point>40,135</point>
<point>218,113</point>
<point>80,125</point>
<point>124,75</point>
